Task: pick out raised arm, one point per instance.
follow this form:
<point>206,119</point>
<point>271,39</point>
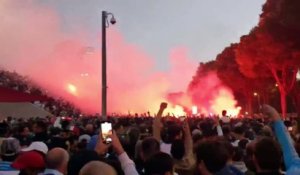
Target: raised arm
<point>127,164</point>
<point>157,125</point>
<point>289,153</point>
<point>188,141</point>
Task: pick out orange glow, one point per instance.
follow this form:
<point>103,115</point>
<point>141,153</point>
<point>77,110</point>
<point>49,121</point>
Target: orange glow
<point>177,111</point>
<point>194,110</point>
<point>72,89</point>
<point>225,101</point>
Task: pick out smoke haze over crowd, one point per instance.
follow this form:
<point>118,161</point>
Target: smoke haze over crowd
<point>34,45</point>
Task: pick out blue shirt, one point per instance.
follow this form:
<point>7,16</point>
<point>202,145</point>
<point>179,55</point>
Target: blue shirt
<point>291,158</point>
<point>6,169</point>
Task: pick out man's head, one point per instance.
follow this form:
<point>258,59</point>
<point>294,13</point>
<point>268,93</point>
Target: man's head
<point>89,129</point>
<point>212,156</point>
<point>159,164</point>
<point>78,160</point>
<point>39,127</point>
<point>57,159</point>
<point>10,148</point>
<point>174,132</point>
<point>224,113</point>
<point>149,147</point>
<point>267,155</point>
<point>97,168</point>
<point>23,130</point>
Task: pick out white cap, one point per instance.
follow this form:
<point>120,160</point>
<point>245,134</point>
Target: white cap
<point>84,136</point>
<point>196,132</point>
<point>36,146</point>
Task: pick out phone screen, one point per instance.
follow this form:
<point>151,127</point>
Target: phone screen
<point>106,132</point>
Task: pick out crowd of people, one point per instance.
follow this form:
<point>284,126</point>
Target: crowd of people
<point>56,106</point>
<point>156,145</point>
<point>143,144</point>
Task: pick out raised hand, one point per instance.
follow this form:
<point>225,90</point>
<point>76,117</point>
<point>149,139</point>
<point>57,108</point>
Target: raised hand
<point>116,144</point>
<point>163,105</point>
<point>101,148</point>
<point>270,112</point>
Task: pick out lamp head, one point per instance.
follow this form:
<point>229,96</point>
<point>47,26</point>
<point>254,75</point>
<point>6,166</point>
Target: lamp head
<point>113,20</point>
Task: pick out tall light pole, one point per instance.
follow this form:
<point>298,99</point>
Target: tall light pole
<point>258,100</point>
<point>105,24</point>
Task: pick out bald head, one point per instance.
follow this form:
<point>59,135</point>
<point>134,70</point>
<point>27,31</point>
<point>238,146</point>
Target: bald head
<point>57,158</point>
<point>97,168</point>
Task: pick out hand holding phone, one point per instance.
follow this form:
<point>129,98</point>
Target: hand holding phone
<point>106,132</point>
<point>116,144</point>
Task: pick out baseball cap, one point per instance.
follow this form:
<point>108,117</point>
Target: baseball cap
<point>84,137</point>
<point>30,159</point>
<point>10,147</point>
<point>36,146</point>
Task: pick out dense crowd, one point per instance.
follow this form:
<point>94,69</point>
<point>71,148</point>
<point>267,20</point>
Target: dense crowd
<point>151,145</point>
<point>56,106</point>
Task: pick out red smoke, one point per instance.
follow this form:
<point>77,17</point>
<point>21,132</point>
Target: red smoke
<point>211,96</point>
<point>33,44</point>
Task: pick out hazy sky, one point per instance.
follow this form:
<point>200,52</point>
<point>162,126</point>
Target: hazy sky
<point>205,27</point>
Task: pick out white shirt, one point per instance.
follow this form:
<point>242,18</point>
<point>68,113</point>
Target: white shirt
<point>225,119</point>
<point>127,165</point>
<point>166,148</point>
<point>51,172</point>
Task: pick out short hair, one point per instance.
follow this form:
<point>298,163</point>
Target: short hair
<point>224,112</point>
<point>41,124</point>
<point>21,128</point>
<point>149,147</point>
<point>267,153</point>
<point>177,149</point>
<point>56,157</point>
<point>173,131</point>
<point>159,164</point>
<point>78,160</point>
<point>97,168</point>
<point>214,153</point>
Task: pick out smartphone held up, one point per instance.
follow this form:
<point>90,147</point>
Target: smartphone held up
<point>106,132</point>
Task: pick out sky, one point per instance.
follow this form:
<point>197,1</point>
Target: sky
<point>204,27</point>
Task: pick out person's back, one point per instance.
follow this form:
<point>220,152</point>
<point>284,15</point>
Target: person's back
<point>147,147</point>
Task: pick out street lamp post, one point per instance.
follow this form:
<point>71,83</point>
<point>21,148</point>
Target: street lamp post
<point>258,100</point>
<point>105,24</point>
